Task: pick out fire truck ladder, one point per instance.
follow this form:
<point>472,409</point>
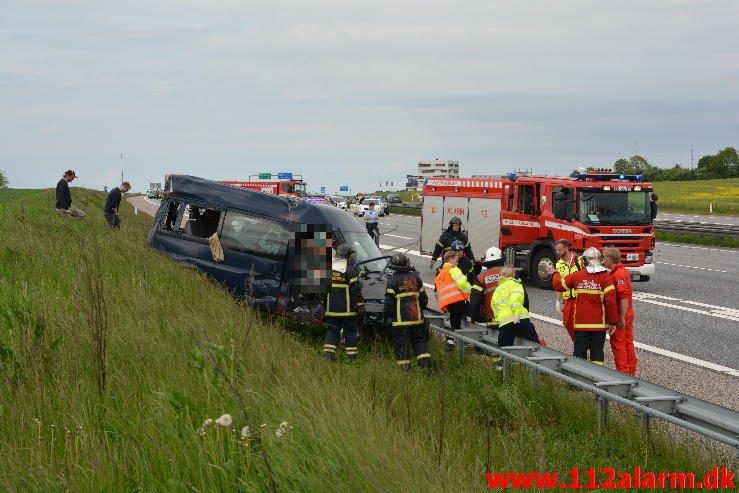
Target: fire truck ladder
<point>647,399</point>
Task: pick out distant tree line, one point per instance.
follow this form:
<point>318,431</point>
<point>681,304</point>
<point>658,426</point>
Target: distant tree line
<point>3,180</point>
<point>724,164</point>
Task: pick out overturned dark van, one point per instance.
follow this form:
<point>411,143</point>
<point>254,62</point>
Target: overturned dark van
<point>272,251</point>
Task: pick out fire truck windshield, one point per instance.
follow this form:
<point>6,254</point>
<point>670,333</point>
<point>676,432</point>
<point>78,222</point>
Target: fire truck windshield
<point>297,189</point>
<point>612,207</point>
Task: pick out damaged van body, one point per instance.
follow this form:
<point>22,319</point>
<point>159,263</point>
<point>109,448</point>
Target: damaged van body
<point>271,251</point>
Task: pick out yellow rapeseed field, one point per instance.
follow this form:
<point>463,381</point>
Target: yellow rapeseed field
<point>699,196</point>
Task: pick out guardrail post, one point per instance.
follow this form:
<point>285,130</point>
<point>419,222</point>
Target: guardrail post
<point>506,368</point>
<point>602,414</point>
<point>460,350</point>
<point>645,422</point>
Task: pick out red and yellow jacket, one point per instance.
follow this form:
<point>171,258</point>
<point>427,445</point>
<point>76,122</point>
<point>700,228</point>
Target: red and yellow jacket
<point>595,298</point>
<point>622,282</point>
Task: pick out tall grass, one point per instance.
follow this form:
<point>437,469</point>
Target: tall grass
<point>699,196</point>
<point>112,358</point>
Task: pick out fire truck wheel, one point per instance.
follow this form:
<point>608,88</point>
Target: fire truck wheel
<point>543,259</point>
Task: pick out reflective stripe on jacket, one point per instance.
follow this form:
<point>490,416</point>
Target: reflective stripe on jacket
<point>595,299</point>
<point>565,267</point>
<point>481,298</point>
<point>405,299</point>
<point>451,286</point>
<point>508,301</point>
<point>343,295</point>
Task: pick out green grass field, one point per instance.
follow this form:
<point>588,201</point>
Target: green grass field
<point>13,193</point>
<point>697,196</point>
<point>112,357</point>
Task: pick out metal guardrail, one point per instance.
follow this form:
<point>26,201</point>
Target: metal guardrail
<point>648,399</point>
<point>694,227</point>
<point>691,227</point>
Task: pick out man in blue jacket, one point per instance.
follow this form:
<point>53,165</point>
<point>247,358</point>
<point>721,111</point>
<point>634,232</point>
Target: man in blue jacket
<point>113,204</point>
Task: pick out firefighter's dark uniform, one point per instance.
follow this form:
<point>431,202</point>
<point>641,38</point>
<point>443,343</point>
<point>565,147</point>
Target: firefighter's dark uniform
<point>341,312</point>
<point>445,244</point>
<point>405,299</point>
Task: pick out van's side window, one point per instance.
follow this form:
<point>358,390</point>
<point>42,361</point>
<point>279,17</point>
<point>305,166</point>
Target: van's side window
<point>169,222</point>
<point>247,233</point>
<point>191,220</point>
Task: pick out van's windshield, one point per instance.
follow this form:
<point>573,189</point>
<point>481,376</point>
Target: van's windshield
<point>365,248</point>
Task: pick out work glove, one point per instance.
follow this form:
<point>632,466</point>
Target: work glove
<point>516,318</point>
<point>558,306</point>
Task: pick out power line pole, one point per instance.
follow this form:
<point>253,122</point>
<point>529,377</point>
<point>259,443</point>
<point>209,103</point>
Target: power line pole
<point>691,156</point>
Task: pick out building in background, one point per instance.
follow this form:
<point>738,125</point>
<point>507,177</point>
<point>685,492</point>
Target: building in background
<point>438,169</point>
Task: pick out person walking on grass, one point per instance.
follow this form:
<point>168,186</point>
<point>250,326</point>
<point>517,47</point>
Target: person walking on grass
<point>113,204</point>
<point>64,205</point>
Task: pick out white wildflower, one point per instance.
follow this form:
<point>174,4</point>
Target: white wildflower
<point>224,420</point>
<point>279,432</point>
<point>284,425</point>
<point>246,432</point>
<point>207,423</point>
<point>263,426</point>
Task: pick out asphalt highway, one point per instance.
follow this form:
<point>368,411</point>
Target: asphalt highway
<point>687,315</point>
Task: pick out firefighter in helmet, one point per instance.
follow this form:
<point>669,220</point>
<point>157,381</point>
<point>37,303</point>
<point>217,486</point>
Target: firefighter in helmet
<point>405,300</point>
<point>343,301</point>
<point>483,287</point>
<point>453,233</point>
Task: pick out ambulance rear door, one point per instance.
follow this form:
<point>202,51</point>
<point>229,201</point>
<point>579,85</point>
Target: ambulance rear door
<point>484,225</point>
<point>431,222</point>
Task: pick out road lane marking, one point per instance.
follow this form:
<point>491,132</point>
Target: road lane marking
<point>693,267</point>
<point>646,347</point>
<point>665,243</point>
<point>146,199</point>
<point>398,236</point>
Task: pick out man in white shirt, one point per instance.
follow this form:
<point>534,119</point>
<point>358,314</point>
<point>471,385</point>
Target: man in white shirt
<point>371,219</point>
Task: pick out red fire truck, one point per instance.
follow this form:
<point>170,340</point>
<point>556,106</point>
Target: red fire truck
<point>525,215</point>
<point>288,184</point>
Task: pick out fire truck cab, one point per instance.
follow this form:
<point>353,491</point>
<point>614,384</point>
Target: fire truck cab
<point>291,186</point>
<point>525,215</point>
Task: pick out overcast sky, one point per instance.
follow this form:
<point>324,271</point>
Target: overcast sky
<point>357,92</point>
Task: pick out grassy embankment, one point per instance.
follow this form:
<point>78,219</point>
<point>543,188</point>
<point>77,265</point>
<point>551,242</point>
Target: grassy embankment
<point>112,357</point>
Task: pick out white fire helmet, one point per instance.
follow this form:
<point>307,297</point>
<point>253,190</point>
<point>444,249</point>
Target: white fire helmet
<point>492,254</point>
<point>593,259</point>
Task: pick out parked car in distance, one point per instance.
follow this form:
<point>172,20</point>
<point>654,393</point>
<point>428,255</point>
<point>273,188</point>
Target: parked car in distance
<point>339,201</point>
<point>394,198</point>
<point>383,208</point>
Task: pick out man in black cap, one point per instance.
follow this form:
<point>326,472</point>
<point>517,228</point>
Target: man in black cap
<point>64,205</point>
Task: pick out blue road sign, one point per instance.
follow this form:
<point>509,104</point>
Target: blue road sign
<point>323,189</point>
<point>344,188</point>
<point>284,176</point>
